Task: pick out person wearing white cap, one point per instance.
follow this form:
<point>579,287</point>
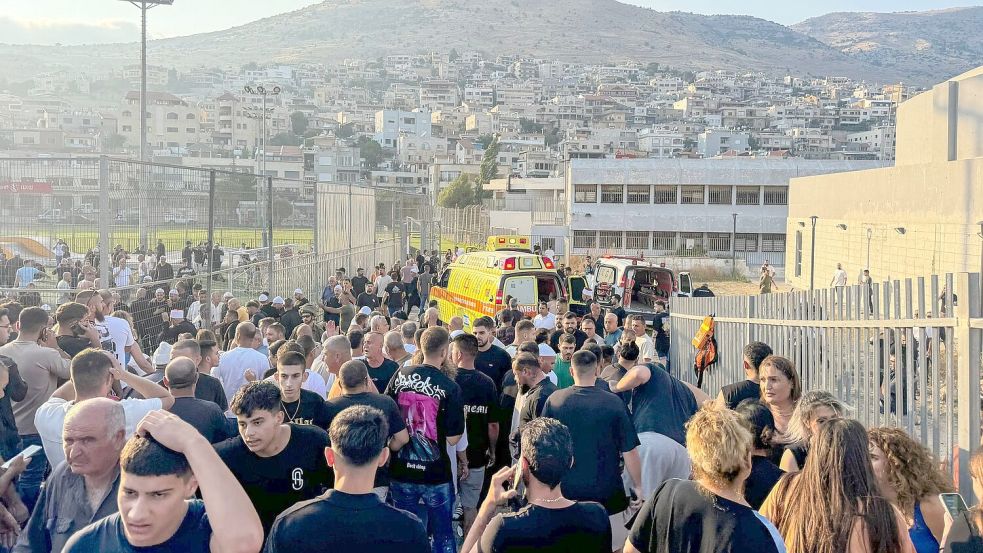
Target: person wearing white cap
<point>267,308</point>
<point>299,299</point>
<point>177,325</point>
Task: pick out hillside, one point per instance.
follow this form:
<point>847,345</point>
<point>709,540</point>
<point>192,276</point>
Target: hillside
<point>932,45</point>
<point>583,30</point>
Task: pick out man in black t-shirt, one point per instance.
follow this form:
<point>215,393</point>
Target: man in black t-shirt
<point>368,298</point>
<point>431,406</point>
<point>277,464</point>
<point>180,377</point>
<point>162,465</point>
<point>299,406</point>
<point>602,436</point>
<point>381,369</point>
<point>569,327</point>
<point>479,395</point>
<point>359,282</point>
<point>550,522</point>
<point>395,296</point>
<point>350,517</point>
<point>535,387</point>
<point>491,360</point>
<point>733,394</point>
<point>353,379</point>
<point>205,355</point>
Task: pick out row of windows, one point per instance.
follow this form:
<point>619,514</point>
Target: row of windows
<point>668,241</point>
<point>680,194</point>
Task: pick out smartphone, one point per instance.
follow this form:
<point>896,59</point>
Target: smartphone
<point>953,503</point>
<point>28,451</point>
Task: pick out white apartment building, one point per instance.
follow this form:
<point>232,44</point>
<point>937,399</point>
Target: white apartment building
<point>390,124</point>
<point>661,142</point>
<point>438,94</point>
<point>714,142</point>
<point>663,207</point>
<point>171,122</point>
<point>479,96</point>
<point>879,140</point>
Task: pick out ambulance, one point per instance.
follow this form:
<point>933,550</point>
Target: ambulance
<point>479,284</point>
<point>635,284</point>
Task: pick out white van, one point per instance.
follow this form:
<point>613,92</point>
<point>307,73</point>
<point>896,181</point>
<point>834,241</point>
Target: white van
<point>638,283</point>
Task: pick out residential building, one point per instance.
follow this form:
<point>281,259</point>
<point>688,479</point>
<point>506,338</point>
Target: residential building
<point>880,140</point>
<point>172,123</point>
<point>390,124</point>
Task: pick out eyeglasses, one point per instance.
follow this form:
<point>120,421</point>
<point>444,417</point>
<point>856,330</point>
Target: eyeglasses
<point>5,326</point>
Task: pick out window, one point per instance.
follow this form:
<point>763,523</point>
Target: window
<point>746,242</point>
<point>798,253</point>
<point>611,239</point>
<point>612,194</point>
<point>773,242</point>
<point>666,194</point>
<point>692,195</point>
<point>522,288</point>
<point>691,242</point>
<point>636,240</point>
<point>189,116</point>
<point>291,174</point>
<point>584,239</point>
<point>639,194</point>
<point>718,242</point>
<point>172,115</point>
<point>172,129</point>
<point>664,241</point>
<point>776,195</point>
<point>585,193</point>
<point>720,195</point>
<point>127,128</point>
<point>748,195</point>
<point>191,130</point>
<point>548,243</point>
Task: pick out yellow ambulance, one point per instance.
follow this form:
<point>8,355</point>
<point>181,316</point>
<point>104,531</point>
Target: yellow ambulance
<point>480,284</point>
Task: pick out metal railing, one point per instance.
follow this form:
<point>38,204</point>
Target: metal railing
<point>902,353</point>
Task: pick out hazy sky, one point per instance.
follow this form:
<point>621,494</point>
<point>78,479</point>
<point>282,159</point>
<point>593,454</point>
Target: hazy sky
<point>81,21</point>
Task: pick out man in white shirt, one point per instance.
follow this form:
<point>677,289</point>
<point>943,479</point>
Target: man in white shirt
<point>93,372</point>
<point>232,367</point>
<point>115,333</point>
<point>381,283</point>
<point>646,346</point>
<point>839,277</point>
<point>122,274</point>
<point>65,284</point>
<point>194,310</point>
<point>544,318</point>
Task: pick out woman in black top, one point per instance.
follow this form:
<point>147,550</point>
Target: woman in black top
<point>709,514</point>
<point>764,474</point>
<point>814,409</point>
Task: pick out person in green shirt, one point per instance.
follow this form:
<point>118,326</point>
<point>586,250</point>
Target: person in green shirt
<point>561,367</point>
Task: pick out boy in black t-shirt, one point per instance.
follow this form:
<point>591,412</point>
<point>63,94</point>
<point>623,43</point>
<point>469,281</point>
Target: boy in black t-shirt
<point>278,464</point>
<point>355,519</point>
<point>430,403</point>
<point>299,406</point>
<point>160,466</point>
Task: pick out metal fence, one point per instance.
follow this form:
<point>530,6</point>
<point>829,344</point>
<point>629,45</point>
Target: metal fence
<point>902,353</point>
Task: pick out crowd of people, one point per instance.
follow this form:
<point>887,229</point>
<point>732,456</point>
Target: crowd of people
<point>289,424</point>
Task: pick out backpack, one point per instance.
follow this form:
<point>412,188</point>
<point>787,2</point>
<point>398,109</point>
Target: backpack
<point>706,349</point>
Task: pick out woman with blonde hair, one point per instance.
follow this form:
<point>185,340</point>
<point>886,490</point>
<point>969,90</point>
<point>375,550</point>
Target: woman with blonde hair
<point>834,504</point>
<point>813,409</point>
<point>708,513</point>
<point>909,477</point>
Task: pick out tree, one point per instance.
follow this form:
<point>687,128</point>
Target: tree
<point>282,209</point>
<point>371,152</point>
<point>489,169</point>
<point>460,193</point>
<point>485,140</point>
<point>529,126</point>
<point>346,131</point>
<point>286,139</point>
<point>453,55</point>
<point>298,122</point>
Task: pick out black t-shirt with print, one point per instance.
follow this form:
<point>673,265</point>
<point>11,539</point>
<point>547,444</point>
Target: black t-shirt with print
<point>431,406</point>
<point>382,374</point>
<point>582,527</point>
<point>380,402</point>
<point>194,535</point>
<point>601,431</point>
<point>367,300</point>
<point>338,521</point>
<point>494,362</point>
<point>309,410</point>
<point>480,399</point>
<point>681,516</point>
<point>396,291</point>
<point>297,473</point>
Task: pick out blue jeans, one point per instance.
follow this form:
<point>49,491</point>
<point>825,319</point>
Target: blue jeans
<point>436,512</point>
<point>29,484</point>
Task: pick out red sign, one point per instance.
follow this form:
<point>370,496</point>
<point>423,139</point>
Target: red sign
<point>25,187</point>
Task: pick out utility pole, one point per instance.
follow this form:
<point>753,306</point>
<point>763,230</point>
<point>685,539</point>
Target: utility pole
<point>812,262</point>
<point>261,168</point>
<point>733,249</point>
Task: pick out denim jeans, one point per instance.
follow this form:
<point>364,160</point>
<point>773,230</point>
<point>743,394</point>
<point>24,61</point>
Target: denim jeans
<point>29,484</point>
<point>436,511</point>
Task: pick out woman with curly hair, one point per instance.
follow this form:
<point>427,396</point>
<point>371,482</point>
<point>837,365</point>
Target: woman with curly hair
<point>909,478</point>
<point>814,408</point>
<point>834,505</point>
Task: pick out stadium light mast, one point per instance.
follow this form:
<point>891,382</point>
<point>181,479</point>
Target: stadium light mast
<point>143,6</point>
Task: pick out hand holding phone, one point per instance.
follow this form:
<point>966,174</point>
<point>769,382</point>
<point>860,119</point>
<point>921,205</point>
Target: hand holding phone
<point>26,454</point>
<point>953,503</point>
